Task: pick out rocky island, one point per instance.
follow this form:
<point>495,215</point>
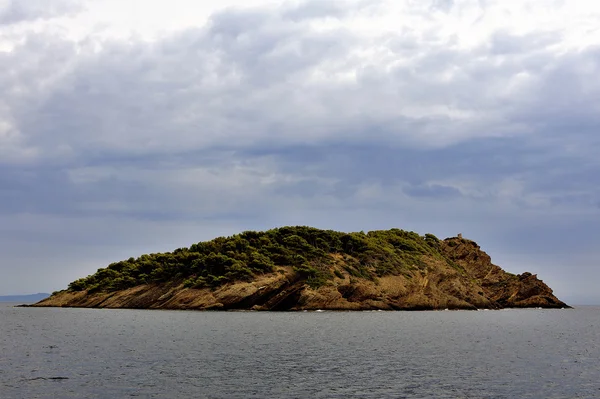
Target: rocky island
<point>304,268</point>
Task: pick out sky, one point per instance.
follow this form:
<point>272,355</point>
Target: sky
<point>131,127</point>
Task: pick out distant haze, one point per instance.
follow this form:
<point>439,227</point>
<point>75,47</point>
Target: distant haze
<point>130,127</point>
<point>30,298</point>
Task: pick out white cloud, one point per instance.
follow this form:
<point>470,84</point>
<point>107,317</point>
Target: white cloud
<point>409,66</point>
<point>17,12</point>
<point>476,116</point>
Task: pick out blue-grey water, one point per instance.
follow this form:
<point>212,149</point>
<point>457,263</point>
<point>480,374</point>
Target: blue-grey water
<point>90,353</point>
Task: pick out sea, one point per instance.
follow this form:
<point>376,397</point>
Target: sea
<point>103,353</point>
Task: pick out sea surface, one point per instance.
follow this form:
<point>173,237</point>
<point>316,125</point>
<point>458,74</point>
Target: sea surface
<point>100,353</point>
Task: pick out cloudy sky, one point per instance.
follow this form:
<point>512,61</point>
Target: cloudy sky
<point>136,126</point>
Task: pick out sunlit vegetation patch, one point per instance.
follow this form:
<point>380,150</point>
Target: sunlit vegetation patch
<point>315,255</point>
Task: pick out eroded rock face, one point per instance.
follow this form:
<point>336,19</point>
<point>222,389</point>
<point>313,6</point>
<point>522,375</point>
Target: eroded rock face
<point>502,288</point>
<point>465,279</point>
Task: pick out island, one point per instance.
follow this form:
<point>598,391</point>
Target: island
<point>305,268</point>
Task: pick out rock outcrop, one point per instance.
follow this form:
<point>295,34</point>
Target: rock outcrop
<point>457,275</point>
<point>501,288</point>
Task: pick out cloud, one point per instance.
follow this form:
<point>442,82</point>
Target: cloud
<point>17,11</point>
<point>315,9</point>
<point>252,75</point>
<point>322,113</point>
<point>432,191</point>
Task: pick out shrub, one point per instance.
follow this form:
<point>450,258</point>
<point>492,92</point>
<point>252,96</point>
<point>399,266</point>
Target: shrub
<point>243,256</point>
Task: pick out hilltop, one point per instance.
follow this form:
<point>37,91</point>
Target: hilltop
<point>300,268</point>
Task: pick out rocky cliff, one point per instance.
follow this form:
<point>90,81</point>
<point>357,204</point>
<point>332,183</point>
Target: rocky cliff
<point>300,268</point>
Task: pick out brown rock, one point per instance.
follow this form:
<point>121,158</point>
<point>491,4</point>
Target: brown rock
<point>462,278</point>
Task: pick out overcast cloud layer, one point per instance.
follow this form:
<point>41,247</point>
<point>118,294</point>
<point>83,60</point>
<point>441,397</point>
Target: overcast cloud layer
<point>131,127</point>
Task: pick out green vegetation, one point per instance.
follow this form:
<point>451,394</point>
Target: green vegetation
<point>315,255</point>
